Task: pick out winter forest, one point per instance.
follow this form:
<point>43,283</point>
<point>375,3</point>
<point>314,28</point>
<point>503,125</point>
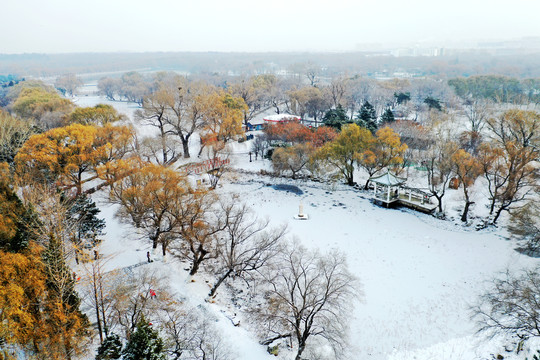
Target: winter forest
<point>223,215</point>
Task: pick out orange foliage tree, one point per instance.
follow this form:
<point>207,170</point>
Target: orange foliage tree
<point>72,155</point>
<point>151,198</point>
<point>322,135</point>
<point>34,312</point>
<point>289,132</point>
<point>22,291</point>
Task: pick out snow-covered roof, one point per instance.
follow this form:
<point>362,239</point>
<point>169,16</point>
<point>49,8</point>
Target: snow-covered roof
<point>282,117</point>
<point>388,179</point>
<point>256,121</point>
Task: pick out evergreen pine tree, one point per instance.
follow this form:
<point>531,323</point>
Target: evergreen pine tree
<point>402,97</point>
<point>387,116</point>
<point>433,103</point>
<point>110,349</point>
<point>89,227</point>
<point>144,343</point>
<point>16,221</point>
<point>367,117</point>
<point>335,117</point>
<point>63,303</point>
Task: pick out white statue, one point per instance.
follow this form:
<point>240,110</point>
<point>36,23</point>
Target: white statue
<point>301,215</point>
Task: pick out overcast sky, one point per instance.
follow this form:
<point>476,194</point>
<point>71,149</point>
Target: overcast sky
<point>59,26</point>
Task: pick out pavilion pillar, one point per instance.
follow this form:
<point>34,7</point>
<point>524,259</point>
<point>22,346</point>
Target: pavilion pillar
<point>388,195</point>
<point>410,193</point>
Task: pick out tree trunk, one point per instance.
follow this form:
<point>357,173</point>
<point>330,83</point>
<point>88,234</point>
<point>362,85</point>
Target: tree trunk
<point>185,147</point>
<point>492,205</point>
<point>163,248</point>
<point>366,186</point>
<point>301,348</point>
<point>218,283</point>
<point>163,145</point>
<point>466,210</point>
<point>497,214</point>
<point>197,260</point>
<point>67,347</point>
<point>79,183</point>
<point>195,267</point>
<point>96,301</point>
<point>102,301</point>
<point>439,201</point>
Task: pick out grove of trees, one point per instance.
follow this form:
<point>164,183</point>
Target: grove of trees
<point>470,132</point>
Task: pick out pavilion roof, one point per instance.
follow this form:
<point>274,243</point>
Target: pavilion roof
<point>388,179</point>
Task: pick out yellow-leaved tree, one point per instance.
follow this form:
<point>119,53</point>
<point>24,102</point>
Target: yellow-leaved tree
<point>72,155</point>
<point>99,115</point>
<point>150,199</point>
<point>386,150</point>
<point>46,107</point>
<point>222,116</point>
<point>22,290</point>
<point>467,169</point>
<point>347,149</point>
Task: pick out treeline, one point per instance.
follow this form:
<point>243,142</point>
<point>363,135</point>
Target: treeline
<point>308,95</point>
<point>500,89</point>
<point>455,63</point>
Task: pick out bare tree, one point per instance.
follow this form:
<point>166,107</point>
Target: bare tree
<point>155,113</point>
<point>68,84</point>
<point>98,284</point>
<point>246,244</point>
<point>524,225</point>
<point>511,305</point>
<point>250,93</point>
<point>361,90</point>
<point>186,111</point>
<point>310,295</point>
<point>109,87</point>
<point>338,89</point>
<point>160,150</point>
<point>437,161</point>
<point>218,155</point>
<point>189,334</point>
<point>312,71</point>
<point>13,134</point>
<point>259,146</point>
<point>477,111</point>
<point>131,299</point>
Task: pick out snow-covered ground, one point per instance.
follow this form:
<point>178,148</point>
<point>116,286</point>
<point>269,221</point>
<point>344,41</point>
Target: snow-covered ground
<point>419,274</point>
